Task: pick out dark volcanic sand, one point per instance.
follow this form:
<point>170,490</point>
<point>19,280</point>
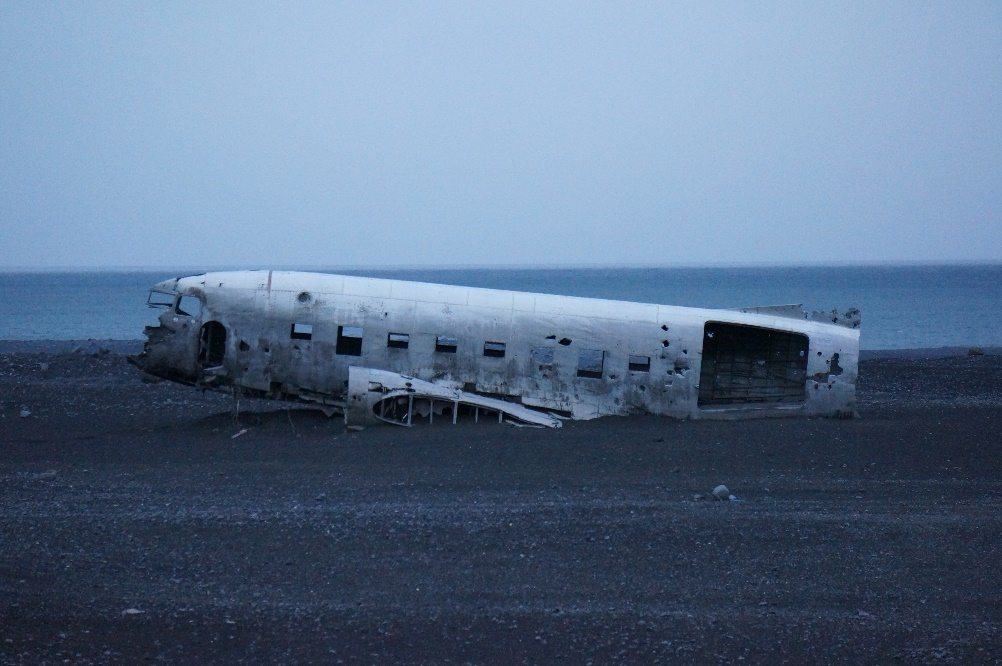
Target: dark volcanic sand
<point>869,539</point>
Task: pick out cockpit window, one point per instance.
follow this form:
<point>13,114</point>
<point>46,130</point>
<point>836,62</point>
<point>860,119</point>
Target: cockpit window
<point>160,299</point>
<point>190,306</point>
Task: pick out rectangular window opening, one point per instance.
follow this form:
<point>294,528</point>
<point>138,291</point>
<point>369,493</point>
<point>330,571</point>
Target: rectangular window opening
<point>751,365</point>
<point>398,340</point>
<point>591,362</point>
<point>446,344</point>
<point>349,341</point>
<point>494,349</point>
<point>640,363</point>
<point>301,331</point>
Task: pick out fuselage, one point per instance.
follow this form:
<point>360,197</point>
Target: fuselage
<point>293,335</point>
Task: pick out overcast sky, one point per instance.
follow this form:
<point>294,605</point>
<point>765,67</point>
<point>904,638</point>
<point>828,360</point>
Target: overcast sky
<point>529,133</point>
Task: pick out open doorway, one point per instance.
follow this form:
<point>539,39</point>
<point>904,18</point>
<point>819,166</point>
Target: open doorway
<point>751,365</point>
<point>212,345</point>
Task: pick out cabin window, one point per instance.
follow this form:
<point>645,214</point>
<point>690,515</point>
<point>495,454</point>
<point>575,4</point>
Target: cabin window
<point>301,331</point>
<point>398,340</point>
<point>189,306</point>
<point>494,349</point>
<point>349,341</point>
<point>751,365</point>
<point>640,363</point>
<point>590,363</point>
<point>446,344</point>
<point>542,356</point>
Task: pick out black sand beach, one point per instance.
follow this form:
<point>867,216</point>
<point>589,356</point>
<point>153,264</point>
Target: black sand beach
<point>134,526</point>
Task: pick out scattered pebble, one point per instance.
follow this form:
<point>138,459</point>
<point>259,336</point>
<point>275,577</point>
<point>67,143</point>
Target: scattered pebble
<point>721,492</point>
<point>25,412</point>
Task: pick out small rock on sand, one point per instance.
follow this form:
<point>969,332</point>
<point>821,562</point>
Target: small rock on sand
<point>25,412</point>
<point>721,492</point>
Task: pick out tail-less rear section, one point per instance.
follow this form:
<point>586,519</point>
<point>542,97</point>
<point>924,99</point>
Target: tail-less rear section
<point>304,336</point>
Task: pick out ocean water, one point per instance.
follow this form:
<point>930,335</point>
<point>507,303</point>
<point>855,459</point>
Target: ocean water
<point>902,306</point>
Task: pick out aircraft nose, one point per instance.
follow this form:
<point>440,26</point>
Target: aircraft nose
<point>166,285</point>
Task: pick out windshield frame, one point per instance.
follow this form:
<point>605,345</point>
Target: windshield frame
<point>158,303</point>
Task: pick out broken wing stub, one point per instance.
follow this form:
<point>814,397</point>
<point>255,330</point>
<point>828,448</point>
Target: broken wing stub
<point>381,396</point>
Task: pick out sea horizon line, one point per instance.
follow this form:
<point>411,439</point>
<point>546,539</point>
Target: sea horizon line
<point>196,268</point>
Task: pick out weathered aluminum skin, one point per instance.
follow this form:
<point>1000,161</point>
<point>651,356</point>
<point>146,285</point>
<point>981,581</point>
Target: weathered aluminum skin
<point>258,308</point>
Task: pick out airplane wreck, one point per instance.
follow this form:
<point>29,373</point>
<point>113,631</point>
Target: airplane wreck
<point>392,351</point>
